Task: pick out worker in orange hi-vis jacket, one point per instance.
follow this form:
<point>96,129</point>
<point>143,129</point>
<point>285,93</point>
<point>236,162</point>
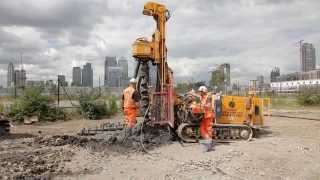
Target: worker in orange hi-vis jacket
<point>130,104</point>
<point>206,131</point>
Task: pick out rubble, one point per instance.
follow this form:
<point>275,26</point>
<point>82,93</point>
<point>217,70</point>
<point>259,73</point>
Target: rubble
<point>43,157</point>
<point>38,164</point>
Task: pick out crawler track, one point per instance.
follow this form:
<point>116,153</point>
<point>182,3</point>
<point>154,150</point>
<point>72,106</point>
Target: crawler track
<point>222,132</point>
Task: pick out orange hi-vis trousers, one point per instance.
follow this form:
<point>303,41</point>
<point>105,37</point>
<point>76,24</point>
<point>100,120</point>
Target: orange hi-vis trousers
<point>130,115</point>
<point>206,122</point>
<point>206,125</point>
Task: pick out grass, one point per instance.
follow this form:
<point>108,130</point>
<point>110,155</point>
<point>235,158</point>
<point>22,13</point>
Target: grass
<point>289,102</point>
<point>284,101</point>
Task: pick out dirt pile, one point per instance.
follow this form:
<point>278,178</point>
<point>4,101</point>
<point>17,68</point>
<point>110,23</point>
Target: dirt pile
<point>43,157</point>
<point>147,136</point>
<point>92,144</point>
<point>38,164</point>
<point>128,140</point>
<point>138,140</point>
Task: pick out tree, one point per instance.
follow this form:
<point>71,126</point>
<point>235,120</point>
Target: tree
<point>182,87</point>
<point>185,87</point>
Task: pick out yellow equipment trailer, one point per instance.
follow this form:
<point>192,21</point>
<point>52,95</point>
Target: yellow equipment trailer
<point>240,116</point>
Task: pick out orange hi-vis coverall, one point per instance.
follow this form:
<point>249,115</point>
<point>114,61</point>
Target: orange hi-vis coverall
<point>129,107</point>
<point>207,121</point>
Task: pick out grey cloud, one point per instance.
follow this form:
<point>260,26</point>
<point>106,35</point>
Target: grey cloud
<point>60,15</point>
<point>74,18</point>
<point>253,36</point>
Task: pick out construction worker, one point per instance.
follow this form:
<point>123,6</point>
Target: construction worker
<point>130,104</point>
<point>207,121</point>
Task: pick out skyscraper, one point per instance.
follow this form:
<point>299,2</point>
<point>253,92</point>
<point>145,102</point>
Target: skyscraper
<point>10,75</point>
<point>225,68</point>
<point>114,74</point>
<point>308,57</point>
<point>20,78</point>
<point>76,76</point>
<point>123,63</point>
<point>260,82</point>
<point>110,61</point>
<point>275,73</point>
<point>87,75</point>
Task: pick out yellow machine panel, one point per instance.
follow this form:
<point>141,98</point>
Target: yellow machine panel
<point>233,110</point>
<point>242,110</point>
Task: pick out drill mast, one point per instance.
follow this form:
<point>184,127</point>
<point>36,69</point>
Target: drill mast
<point>156,52</point>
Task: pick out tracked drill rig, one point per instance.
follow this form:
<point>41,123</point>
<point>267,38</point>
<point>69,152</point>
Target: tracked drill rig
<point>156,102</point>
<point>236,117</point>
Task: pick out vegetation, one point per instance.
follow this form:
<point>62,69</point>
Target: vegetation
<point>113,107</point>
<point>93,107</point>
<point>309,96</point>
<point>306,97</point>
<point>33,103</point>
<point>185,87</point>
<point>284,101</point>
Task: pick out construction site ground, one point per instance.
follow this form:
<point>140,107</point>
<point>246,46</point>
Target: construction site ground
<point>286,149</point>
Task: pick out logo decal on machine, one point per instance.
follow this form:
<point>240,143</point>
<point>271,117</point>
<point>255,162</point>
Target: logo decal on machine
<point>232,104</point>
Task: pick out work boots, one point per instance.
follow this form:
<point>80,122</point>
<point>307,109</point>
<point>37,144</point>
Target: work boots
<point>206,145</point>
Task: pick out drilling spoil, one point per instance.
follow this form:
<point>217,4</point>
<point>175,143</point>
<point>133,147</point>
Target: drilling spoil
<point>282,151</point>
<point>44,157</point>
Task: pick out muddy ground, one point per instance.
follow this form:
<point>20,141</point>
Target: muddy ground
<point>286,149</point>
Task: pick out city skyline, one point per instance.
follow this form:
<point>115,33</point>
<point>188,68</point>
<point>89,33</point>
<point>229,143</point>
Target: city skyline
<point>252,34</point>
<point>77,78</point>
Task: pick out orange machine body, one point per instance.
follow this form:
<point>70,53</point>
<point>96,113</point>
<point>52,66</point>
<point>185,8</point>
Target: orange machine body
<point>243,110</point>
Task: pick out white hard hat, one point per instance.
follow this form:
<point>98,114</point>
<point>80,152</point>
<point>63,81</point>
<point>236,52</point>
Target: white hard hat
<point>203,89</point>
<point>132,80</point>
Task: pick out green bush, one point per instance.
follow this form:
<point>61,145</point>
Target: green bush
<point>17,111</point>
<point>92,107</point>
<point>33,103</point>
<point>112,106</point>
<point>310,96</point>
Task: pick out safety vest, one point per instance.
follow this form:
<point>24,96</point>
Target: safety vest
<point>128,101</point>
<point>206,103</point>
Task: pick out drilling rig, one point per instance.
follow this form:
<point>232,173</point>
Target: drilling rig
<point>236,117</point>
<point>156,102</point>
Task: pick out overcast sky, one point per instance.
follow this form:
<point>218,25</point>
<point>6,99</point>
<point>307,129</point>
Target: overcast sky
<point>252,35</point>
